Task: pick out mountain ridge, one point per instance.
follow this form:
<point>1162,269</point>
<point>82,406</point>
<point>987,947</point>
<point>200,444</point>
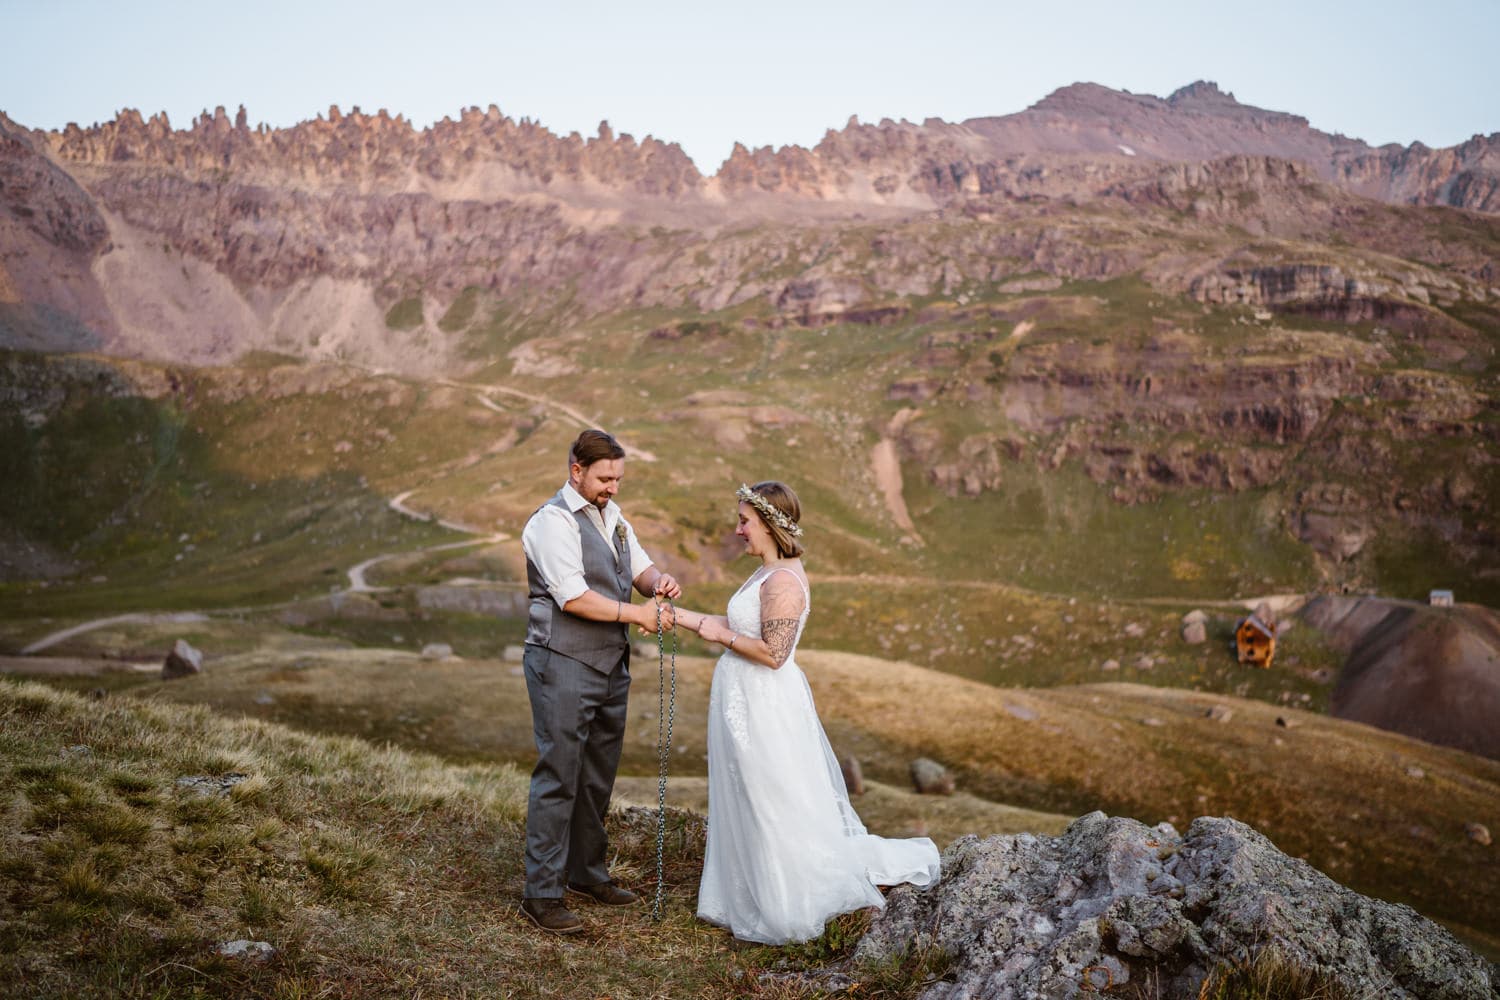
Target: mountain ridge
<point>889,163</point>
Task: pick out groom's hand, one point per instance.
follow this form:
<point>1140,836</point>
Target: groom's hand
<point>645,616</point>
<point>667,586</point>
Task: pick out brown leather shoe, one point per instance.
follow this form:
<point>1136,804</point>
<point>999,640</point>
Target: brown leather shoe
<point>552,915</point>
<point>607,893</point>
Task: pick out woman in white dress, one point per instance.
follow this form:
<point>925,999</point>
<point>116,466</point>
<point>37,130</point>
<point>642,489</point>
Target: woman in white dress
<point>785,849</point>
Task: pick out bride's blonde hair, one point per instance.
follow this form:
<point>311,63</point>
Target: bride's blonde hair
<point>779,497</point>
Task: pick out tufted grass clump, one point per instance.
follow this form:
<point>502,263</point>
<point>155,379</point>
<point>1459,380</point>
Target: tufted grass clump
<point>1270,975</point>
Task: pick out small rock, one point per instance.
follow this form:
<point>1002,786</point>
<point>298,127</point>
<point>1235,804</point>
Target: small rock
<point>1110,665</point>
<point>1194,618</point>
<point>437,651</point>
<point>1020,712</point>
<point>182,661</point>
<point>1134,630</point>
<point>1286,721</point>
<point>255,951</point>
<point>75,751</point>
<point>1478,832</point>
<point>1194,633</point>
<point>207,785</point>
<point>1152,720</point>
<point>929,777</point>
<point>1143,662</point>
<point>1415,772</point>
<point>854,776</point>
<point>264,698</point>
<point>1220,713</point>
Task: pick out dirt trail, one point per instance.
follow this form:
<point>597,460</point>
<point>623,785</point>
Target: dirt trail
<point>356,574</point>
<point>357,582</point>
<point>886,466</point>
<point>582,420</point>
<point>172,618</point>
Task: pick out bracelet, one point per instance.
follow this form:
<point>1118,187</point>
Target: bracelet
<point>619,609</point>
<point>732,638</point>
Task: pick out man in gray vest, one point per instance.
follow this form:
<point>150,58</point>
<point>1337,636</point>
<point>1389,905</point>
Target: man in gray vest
<point>582,558</point>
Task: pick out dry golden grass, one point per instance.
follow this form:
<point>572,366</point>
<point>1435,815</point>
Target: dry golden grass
<point>1377,811</point>
<point>373,872</point>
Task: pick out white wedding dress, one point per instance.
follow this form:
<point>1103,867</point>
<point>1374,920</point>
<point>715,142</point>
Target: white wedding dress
<point>785,849</point>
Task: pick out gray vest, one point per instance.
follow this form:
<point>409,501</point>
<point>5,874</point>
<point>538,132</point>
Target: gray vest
<point>600,645</point>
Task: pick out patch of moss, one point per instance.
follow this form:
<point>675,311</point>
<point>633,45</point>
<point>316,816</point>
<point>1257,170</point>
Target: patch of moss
<point>405,315</point>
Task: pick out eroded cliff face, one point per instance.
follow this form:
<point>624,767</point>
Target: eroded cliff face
<point>383,152</point>
<point>1076,268</point>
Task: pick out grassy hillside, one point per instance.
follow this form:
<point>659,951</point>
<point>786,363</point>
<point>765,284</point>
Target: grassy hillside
<point>1382,813</point>
<point>372,872</point>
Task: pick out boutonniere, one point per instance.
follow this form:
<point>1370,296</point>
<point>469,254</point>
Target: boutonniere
<point>620,530</point>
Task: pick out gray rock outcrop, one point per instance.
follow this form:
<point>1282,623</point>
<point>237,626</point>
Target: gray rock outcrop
<point>1113,901</point>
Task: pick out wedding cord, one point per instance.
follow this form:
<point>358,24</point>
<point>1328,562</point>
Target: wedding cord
<point>665,711</point>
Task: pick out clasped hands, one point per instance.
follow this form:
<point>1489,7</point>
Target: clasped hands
<point>661,617</point>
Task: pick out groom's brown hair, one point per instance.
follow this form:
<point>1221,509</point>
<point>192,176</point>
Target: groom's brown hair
<point>594,445</point>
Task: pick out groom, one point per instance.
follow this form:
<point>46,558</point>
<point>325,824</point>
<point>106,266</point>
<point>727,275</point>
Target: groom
<point>582,558</point>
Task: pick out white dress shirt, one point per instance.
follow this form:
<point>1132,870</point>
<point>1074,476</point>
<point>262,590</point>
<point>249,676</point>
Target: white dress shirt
<point>550,540</point>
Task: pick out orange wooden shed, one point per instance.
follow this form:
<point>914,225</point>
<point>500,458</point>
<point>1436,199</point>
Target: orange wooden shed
<point>1256,641</point>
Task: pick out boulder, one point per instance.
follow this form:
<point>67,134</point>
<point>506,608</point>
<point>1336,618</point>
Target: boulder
<point>929,777</point>
<point>182,661</point>
<point>1194,633</point>
<point>437,651</point>
<point>1113,903</point>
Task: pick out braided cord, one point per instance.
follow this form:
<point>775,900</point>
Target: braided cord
<point>665,711</point>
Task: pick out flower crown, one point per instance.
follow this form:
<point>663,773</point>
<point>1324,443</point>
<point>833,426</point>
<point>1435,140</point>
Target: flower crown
<point>768,511</point>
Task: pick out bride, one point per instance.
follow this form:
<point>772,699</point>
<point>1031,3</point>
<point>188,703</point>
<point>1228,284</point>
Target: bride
<point>785,849</point>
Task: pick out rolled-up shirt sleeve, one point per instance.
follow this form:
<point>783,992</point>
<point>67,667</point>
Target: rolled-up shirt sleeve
<point>550,540</point>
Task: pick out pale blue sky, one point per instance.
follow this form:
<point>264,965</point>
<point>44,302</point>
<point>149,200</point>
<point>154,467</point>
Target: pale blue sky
<point>764,72</point>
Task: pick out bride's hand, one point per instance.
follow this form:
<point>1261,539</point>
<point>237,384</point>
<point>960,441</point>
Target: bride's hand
<point>714,630</point>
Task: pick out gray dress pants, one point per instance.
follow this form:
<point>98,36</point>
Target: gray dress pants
<point>578,721</point>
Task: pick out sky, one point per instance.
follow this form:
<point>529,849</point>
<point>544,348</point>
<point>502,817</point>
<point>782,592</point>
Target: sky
<point>767,72</point>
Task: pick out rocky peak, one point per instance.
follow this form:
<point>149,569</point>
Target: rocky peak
<point>1091,100</point>
<point>1200,92</point>
<point>356,147</point>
